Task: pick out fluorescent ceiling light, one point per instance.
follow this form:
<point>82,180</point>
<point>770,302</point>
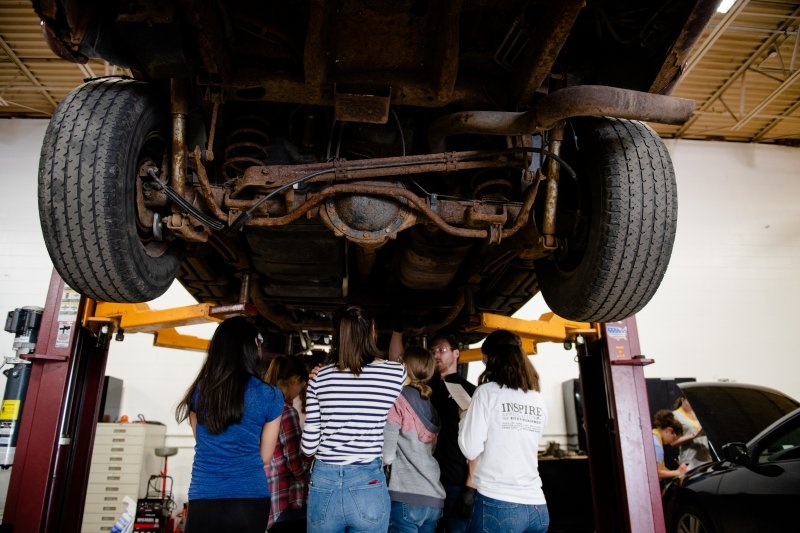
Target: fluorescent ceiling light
<point>724,6</point>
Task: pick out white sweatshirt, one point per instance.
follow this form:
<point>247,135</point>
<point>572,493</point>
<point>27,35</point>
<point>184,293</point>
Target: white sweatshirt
<point>502,428</point>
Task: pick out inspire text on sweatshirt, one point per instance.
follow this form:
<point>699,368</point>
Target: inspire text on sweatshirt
<point>521,417</point>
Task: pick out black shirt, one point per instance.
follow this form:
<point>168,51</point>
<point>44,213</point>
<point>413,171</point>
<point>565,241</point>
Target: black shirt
<point>452,463</point>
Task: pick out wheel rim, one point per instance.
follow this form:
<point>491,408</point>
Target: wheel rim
<point>689,523</point>
<point>149,203</point>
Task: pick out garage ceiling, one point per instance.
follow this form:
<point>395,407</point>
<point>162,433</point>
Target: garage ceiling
<point>743,73</point>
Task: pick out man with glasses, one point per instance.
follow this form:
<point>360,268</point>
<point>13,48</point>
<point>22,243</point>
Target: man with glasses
<point>452,463</point>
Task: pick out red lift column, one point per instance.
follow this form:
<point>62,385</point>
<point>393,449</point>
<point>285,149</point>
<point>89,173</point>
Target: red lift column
<point>622,462</point>
<point>51,468</point>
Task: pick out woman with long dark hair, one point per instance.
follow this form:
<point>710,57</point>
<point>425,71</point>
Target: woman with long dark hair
<point>502,429</point>
<point>346,407</point>
<point>235,418</point>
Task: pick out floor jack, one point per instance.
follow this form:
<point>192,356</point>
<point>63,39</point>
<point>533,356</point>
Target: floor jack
<point>51,467</point>
<point>154,511</point>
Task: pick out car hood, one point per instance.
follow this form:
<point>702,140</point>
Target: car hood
<point>733,412</point>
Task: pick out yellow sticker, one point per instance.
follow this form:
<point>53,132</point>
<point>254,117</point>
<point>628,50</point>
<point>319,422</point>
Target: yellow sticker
<point>10,410</point>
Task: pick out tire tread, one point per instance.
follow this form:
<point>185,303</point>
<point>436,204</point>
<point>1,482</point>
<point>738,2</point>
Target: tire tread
<point>81,173</point>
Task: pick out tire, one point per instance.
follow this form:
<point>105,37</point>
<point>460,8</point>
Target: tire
<point>689,518</point>
<point>615,222</point>
<point>88,191</point>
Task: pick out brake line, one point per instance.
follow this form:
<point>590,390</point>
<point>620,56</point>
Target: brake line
<point>181,201</point>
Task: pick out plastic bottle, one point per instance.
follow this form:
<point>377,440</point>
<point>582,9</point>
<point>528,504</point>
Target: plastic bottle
<point>124,523</point>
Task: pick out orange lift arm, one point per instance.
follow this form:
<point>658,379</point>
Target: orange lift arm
<point>549,328</point>
<point>139,318</point>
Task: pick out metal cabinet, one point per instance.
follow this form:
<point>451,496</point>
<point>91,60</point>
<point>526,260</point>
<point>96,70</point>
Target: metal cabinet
<point>123,459</point>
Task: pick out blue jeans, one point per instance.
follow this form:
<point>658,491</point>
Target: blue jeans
<point>490,515</point>
<point>351,498</point>
<point>452,522</point>
<point>413,518</point>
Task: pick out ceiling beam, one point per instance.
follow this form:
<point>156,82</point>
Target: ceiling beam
<point>86,70</point>
<point>712,38</point>
<point>734,77</point>
<point>25,70</point>
<point>788,82</point>
<point>758,137</point>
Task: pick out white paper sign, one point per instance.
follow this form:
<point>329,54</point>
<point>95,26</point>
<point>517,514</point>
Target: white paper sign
<point>457,393</point>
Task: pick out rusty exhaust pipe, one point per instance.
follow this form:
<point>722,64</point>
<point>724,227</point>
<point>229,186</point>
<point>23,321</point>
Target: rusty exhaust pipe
<point>578,101</point>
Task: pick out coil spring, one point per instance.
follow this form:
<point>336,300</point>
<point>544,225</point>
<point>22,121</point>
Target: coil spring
<point>246,146</point>
<point>492,189</point>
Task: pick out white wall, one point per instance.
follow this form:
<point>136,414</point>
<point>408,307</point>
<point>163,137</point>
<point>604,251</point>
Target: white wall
<point>726,309</point>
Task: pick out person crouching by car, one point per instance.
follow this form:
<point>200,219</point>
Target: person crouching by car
<point>501,429</point>
<point>666,430</point>
<point>410,435</point>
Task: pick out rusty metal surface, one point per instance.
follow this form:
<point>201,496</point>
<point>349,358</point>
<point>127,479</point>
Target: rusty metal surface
<point>362,104</point>
<point>551,194</point>
<point>597,100</point>
<point>367,220</point>
<point>206,30</point>
<point>553,29</point>
<point>264,178</point>
<point>679,53</point>
<point>205,187</point>
<point>584,100</point>
<point>178,110</point>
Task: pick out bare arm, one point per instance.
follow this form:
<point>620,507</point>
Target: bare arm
<point>471,465</point>
<point>396,346</point>
<point>193,423</point>
<point>269,437</point>
<point>665,473</point>
<point>686,438</point>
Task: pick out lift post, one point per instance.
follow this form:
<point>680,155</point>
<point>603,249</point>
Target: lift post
<point>51,468</point>
<point>622,461</point>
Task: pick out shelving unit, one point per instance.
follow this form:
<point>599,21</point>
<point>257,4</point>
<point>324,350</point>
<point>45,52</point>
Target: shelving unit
<point>123,459</point>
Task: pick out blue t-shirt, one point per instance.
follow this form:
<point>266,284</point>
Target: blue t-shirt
<point>659,449</point>
<point>229,465</point>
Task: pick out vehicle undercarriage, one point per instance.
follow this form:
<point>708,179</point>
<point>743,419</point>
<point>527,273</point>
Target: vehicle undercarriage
<point>429,160</point>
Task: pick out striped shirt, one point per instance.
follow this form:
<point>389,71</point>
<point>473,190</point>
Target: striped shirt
<point>346,414</point>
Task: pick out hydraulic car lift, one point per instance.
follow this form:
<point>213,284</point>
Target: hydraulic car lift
<point>51,468</point>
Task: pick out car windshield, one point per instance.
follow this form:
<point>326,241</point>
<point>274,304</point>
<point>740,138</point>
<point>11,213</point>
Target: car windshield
<point>783,445</point>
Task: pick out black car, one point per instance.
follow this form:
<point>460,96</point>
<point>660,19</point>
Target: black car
<point>753,485</point>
